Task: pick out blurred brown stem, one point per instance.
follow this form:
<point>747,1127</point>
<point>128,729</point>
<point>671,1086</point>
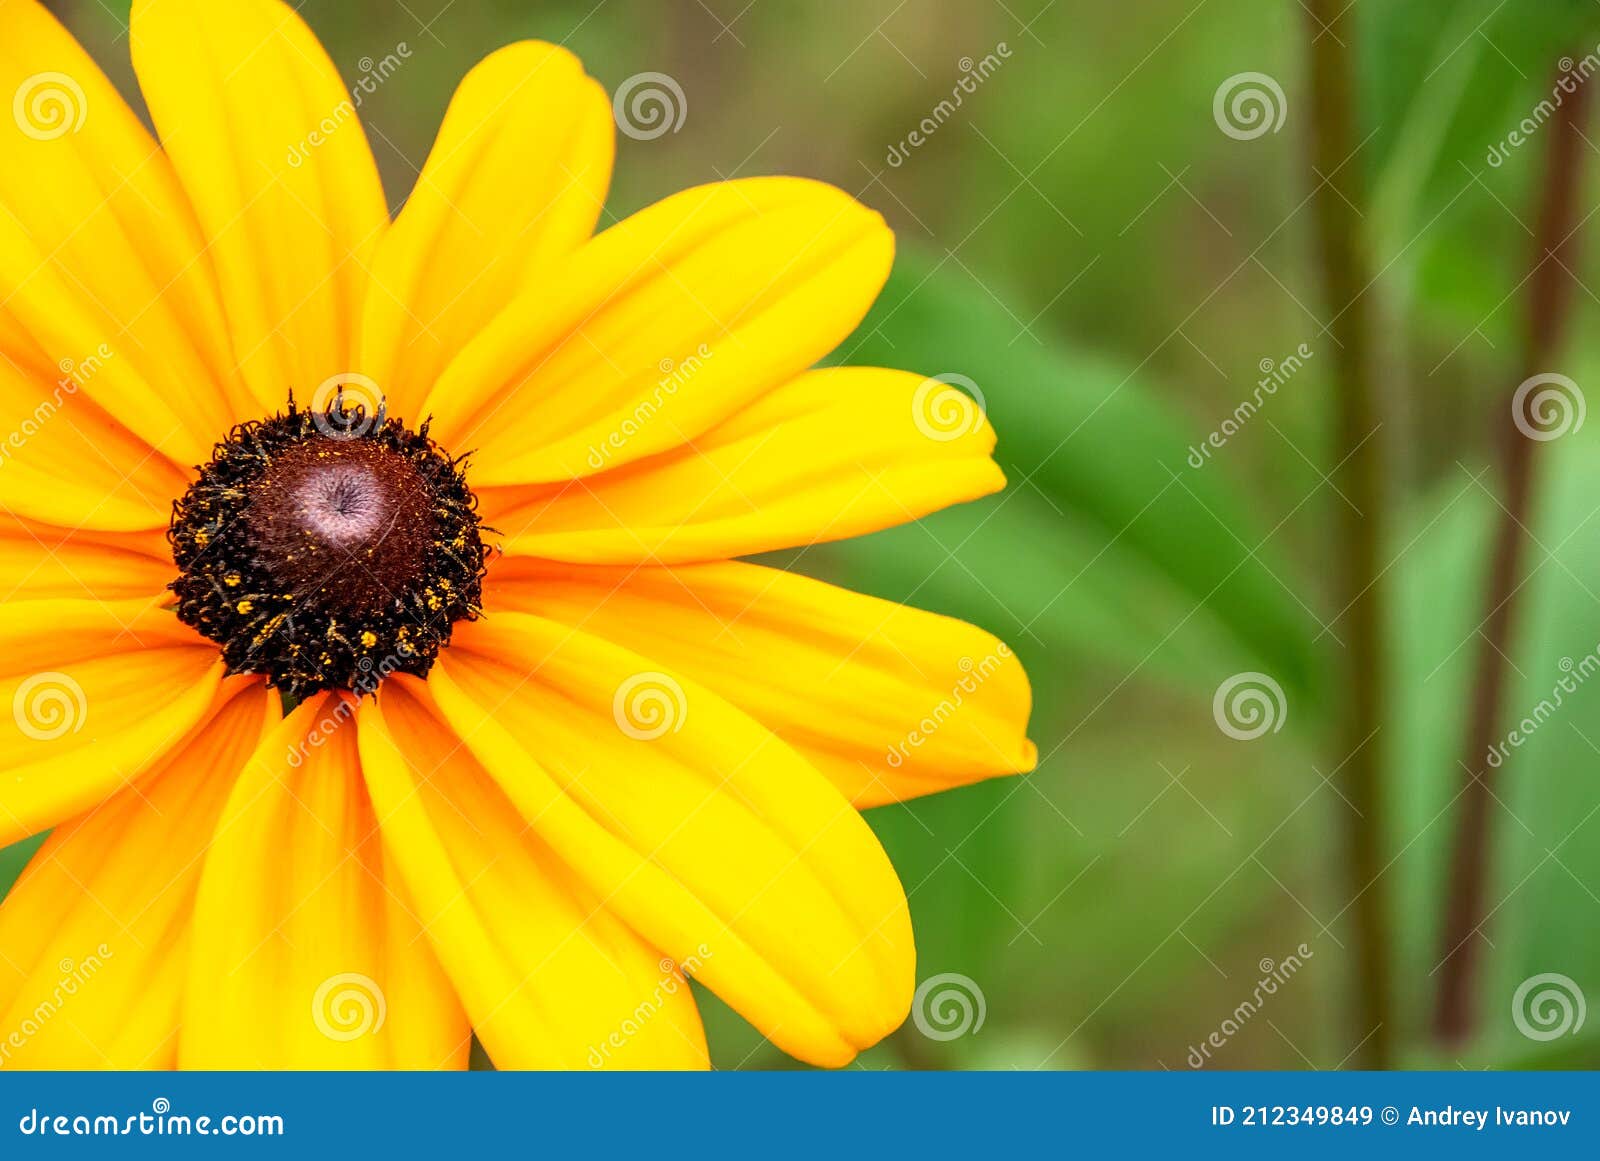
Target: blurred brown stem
<point>1361,481</point>
<point>1548,306</point>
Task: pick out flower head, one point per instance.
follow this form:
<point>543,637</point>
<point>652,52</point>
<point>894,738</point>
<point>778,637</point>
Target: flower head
<point>373,625</point>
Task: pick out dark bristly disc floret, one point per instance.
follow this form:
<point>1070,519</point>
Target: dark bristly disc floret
<point>327,549</point>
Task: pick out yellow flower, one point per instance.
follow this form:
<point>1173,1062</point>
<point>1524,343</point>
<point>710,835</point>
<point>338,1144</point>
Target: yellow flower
<point>599,753</point>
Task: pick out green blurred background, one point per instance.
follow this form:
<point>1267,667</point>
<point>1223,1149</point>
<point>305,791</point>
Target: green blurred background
<point>1083,242</point>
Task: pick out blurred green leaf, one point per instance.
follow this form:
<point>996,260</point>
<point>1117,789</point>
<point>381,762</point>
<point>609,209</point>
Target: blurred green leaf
<point>1104,610</point>
<point>1544,854</point>
<point>1449,228</point>
<point>1438,585</point>
<point>1545,887</point>
<point>1085,437</point>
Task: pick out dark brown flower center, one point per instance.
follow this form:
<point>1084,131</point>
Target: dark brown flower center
<point>327,550</point>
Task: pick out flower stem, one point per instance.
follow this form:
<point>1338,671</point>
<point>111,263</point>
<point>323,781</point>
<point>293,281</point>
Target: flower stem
<point>1362,486</point>
<point>1548,307</point>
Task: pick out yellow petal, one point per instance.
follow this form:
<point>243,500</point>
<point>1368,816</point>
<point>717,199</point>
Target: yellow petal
<point>64,460</point>
<point>267,143</point>
<point>550,978</point>
<point>41,561</point>
<point>696,825</point>
<point>515,181</point>
<point>308,956</point>
<point>98,692</point>
<point>96,931</point>
<point>889,702</point>
<point>100,255</point>
<point>830,455</point>
<point>19,350</point>
<point>661,327</point>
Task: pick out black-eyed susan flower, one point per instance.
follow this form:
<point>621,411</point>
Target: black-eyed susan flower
<point>373,631</point>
